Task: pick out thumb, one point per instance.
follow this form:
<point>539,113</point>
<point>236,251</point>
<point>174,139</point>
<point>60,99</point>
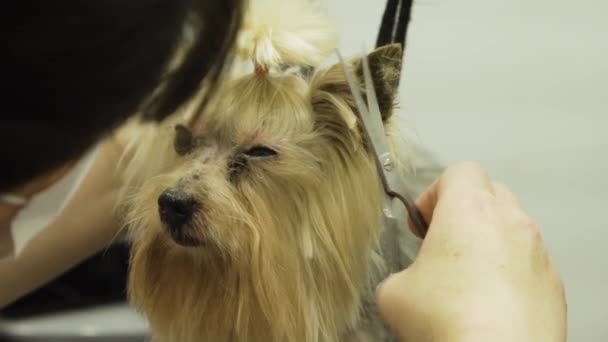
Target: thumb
<point>394,303</point>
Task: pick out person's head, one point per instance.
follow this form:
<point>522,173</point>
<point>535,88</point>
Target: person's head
<point>73,70</point>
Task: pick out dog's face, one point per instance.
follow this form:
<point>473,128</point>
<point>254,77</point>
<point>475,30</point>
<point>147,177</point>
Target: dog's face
<point>270,201</point>
<point>243,171</point>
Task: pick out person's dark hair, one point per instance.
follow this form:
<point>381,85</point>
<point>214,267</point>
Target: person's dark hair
<point>73,70</point>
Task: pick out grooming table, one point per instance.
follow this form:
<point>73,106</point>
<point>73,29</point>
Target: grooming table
<point>109,323</point>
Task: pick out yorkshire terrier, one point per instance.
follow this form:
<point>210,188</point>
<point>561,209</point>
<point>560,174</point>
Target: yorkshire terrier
<point>261,219</point>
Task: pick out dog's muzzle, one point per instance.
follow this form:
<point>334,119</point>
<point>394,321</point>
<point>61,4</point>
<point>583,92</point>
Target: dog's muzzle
<point>176,210</point>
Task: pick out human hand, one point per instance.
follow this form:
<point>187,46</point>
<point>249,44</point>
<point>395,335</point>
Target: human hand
<point>482,272</point>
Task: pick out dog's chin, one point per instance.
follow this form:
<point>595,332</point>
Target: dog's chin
<point>184,239</point>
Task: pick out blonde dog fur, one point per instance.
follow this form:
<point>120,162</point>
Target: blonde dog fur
<point>282,238</point>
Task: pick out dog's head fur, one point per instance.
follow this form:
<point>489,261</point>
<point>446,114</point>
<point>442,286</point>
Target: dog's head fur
<point>258,222</point>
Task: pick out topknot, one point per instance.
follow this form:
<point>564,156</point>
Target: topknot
<point>283,33</point>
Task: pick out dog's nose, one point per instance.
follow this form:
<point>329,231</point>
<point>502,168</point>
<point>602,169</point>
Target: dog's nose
<point>176,209</point>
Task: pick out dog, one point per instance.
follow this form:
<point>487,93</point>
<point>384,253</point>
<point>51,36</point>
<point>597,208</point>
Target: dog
<point>261,220</point>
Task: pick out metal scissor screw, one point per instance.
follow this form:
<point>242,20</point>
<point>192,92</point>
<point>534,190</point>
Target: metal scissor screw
<point>387,163</point>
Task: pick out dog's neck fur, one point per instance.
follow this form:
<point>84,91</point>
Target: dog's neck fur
<point>197,316</point>
<point>205,314</point>
<point>395,251</point>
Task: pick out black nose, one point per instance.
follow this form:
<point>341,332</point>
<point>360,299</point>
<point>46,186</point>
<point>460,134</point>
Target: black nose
<point>176,209</point>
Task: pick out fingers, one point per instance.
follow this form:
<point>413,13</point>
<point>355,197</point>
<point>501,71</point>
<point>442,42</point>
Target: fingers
<point>427,201</point>
<point>459,180</point>
<point>456,181</point>
<point>505,196</point>
<point>463,179</point>
<point>461,183</point>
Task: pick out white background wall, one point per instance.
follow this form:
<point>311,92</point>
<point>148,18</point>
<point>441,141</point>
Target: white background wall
<point>522,87</point>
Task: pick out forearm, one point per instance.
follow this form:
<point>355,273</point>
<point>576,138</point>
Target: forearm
<point>54,251</point>
<point>86,225</point>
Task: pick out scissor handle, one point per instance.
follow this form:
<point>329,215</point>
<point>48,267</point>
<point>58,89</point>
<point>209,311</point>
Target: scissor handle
<point>415,215</point>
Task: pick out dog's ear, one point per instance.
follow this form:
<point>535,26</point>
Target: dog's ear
<point>385,67</point>
<point>330,91</point>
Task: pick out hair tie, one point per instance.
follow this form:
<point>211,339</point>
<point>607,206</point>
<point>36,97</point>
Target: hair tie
<point>260,70</point>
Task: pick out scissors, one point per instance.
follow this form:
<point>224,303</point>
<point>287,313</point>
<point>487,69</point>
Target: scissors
<point>373,128</point>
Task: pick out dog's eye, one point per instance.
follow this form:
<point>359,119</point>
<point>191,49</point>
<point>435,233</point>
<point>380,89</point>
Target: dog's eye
<point>240,162</point>
<point>184,142</point>
<point>260,152</point>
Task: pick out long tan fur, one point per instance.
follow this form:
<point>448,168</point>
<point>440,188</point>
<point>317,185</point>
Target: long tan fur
<point>288,242</point>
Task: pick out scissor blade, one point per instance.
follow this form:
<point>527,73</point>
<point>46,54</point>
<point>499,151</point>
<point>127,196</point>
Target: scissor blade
<point>395,185</point>
<point>372,120</point>
<point>373,128</point>
<point>361,106</point>
<point>365,116</point>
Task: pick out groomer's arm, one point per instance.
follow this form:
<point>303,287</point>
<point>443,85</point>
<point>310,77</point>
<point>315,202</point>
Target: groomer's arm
<point>482,273</point>
<point>86,226</point>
